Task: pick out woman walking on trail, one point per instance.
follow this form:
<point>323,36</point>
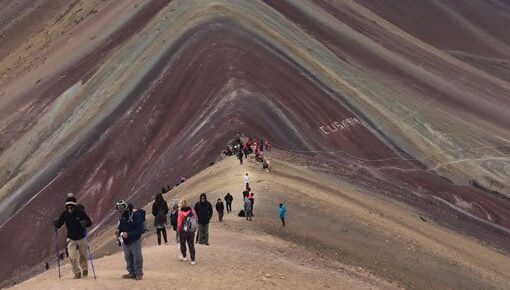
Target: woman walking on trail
<point>159,211</point>
<point>186,226</point>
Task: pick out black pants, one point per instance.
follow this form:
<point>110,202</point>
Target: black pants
<point>229,206</point>
<point>158,232</point>
<point>240,159</point>
<point>283,221</point>
<point>187,238</point>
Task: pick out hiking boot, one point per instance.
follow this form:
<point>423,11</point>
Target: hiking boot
<point>207,244</point>
<point>77,276</point>
<point>138,277</point>
<point>128,276</point>
<point>85,273</point>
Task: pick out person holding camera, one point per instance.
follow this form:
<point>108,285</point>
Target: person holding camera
<point>129,233</point>
<point>76,221</point>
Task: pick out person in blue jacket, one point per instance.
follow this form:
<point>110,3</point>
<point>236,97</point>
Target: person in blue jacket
<point>283,213</point>
<point>129,233</point>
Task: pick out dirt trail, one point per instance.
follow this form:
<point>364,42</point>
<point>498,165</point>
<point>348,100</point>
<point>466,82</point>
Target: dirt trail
<point>337,237</point>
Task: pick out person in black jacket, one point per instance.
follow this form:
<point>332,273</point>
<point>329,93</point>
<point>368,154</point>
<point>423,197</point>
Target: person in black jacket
<point>159,211</point>
<point>129,232</point>
<point>220,209</point>
<point>228,200</point>
<point>204,211</point>
<point>76,221</point>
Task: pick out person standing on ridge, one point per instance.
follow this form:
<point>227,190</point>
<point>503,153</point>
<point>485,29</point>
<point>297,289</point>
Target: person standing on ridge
<point>251,198</point>
<point>186,231</point>
<point>76,221</point>
<point>228,200</point>
<point>129,233</point>
<point>247,180</point>
<point>240,157</point>
<point>173,220</point>
<point>247,208</point>
<point>220,208</point>
<point>283,213</point>
<point>204,211</point>
<point>159,211</point>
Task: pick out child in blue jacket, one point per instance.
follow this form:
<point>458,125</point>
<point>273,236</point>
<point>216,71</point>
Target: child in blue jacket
<point>283,213</point>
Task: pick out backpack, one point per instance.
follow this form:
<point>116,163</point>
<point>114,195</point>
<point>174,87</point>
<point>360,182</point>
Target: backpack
<point>190,223</point>
<point>142,216</point>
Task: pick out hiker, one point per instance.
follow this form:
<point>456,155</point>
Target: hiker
<point>204,211</point>
<point>76,221</point>
<point>220,208</point>
<point>251,198</point>
<point>265,165</point>
<point>247,208</point>
<point>268,145</point>
<point>159,211</point>
<point>163,190</point>
<point>175,202</point>
<point>246,193</point>
<point>186,230</point>
<point>228,200</point>
<point>173,221</point>
<point>129,233</point>
<point>283,213</point>
<point>240,156</point>
<point>247,180</point>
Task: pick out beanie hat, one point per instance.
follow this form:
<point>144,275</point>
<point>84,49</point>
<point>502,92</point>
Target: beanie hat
<point>70,200</point>
<point>121,205</point>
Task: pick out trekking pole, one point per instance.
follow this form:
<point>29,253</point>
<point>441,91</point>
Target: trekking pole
<point>90,255</point>
<point>58,252</point>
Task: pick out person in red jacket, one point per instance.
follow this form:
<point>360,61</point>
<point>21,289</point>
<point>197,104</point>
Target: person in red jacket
<point>185,236</point>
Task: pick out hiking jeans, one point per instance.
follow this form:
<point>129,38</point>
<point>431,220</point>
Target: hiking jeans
<point>229,207</point>
<point>187,237</point>
<point>203,234</point>
<point>220,216</point>
<point>78,254</point>
<point>159,232</point>
<point>133,257</point>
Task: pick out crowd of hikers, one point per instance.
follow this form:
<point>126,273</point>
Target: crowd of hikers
<point>243,146</point>
<point>191,225</point>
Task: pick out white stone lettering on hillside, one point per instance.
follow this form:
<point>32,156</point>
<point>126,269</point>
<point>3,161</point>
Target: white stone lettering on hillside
<point>337,126</point>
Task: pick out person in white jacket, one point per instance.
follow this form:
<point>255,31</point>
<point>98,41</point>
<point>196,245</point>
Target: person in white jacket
<point>247,180</point>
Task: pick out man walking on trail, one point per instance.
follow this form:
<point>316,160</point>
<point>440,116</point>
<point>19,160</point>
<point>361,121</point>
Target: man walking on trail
<point>76,221</point>
<point>228,200</point>
<point>220,209</point>
<point>204,211</point>
<point>129,232</point>
<point>247,180</point>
